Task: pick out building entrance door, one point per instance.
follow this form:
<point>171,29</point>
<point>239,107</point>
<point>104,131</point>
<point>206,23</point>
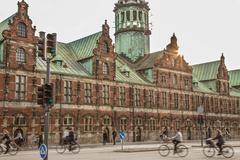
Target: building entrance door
<point>138,134</point>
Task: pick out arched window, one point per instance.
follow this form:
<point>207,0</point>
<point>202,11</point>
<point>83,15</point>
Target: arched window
<point>20,120</point>
<point>105,69</point>
<point>22,30</point>
<point>123,124</point>
<point>88,124</point>
<point>105,47</point>
<point>21,57</point>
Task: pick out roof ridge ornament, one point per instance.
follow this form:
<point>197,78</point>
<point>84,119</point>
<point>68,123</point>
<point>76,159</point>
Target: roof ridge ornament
<point>105,28</point>
<point>173,46</point>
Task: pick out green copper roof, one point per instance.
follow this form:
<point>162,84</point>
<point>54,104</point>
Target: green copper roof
<point>234,92</point>
<point>234,77</point>
<point>4,25</point>
<point>69,64</point>
<point>206,71</point>
<point>122,69</point>
<point>83,48</point>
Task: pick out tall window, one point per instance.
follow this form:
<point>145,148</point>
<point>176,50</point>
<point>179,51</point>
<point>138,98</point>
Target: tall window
<point>164,100</point>
<point>68,120</point>
<point>19,120</point>
<point>136,97</point>
<point>22,30</point>
<point>88,93</point>
<point>138,122</point>
<point>122,16</point>
<point>123,124</point>
<point>105,94</point>
<point>175,100</point>
<point>177,124</point>
<point>21,56</point>
<point>105,47</point>
<point>165,123</point>
<point>152,124</point>
<point>134,15</point>
<point>187,102</point>
<point>107,121</point>
<point>105,69</point>
<point>88,124</point>
<point>20,87</point>
<point>67,91</point>
<point>140,15</point>
<point>163,80</point>
<point>128,15</point>
<point>122,96</point>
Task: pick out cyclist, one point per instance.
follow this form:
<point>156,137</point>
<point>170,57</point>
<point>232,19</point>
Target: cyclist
<point>71,140</point>
<point>19,137</point>
<point>177,139</point>
<point>7,139</point>
<point>220,141</point>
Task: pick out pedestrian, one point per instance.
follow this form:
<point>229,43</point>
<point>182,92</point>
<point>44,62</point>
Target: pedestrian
<point>40,140</point>
<point>114,135</point>
<point>104,137</point>
<point>7,139</point>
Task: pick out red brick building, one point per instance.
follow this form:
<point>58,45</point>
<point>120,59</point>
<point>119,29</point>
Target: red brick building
<point>96,88</point>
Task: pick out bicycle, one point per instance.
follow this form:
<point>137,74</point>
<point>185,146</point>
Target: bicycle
<point>181,151</point>
<point>12,150</point>
<point>74,148</point>
<point>210,150</point>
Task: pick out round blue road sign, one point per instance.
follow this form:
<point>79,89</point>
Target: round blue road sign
<point>43,151</point>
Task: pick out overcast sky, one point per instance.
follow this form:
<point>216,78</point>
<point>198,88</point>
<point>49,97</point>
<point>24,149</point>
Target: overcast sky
<point>204,28</point>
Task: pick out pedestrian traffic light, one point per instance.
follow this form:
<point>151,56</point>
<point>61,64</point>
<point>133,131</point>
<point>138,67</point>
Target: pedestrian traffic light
<point>52,44</point>
<point>40,95</point>
<point>48,94</point>
<point>42,45</point>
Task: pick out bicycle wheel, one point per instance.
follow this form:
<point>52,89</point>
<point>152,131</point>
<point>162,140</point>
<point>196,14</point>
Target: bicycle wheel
<point>227,151</point>
<point>13,149</point>
<point>75,148</point>
<point>164,150</point>
<point>208,151</point>
<point>60,149</point>
<point>182,150</point>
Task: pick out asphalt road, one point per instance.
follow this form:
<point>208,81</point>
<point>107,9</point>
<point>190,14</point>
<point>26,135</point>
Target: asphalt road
<point>106,153</point>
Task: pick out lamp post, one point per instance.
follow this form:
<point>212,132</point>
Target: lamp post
<point>200,111</point>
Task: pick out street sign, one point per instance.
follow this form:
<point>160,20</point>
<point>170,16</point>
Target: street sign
<point>122,135</point>
<point>43,151</point>
<point>200,109</point>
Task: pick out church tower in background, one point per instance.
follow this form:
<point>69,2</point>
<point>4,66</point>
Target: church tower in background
<point>132,34</point>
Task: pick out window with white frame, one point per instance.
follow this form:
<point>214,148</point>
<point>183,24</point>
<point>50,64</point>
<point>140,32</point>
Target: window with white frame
<point>176,101</point>
<point>136,97</point>
<point>177,124</point>
<point>88,124</point>
<point>186,102</point>
<point>67,91</point>
<point>20,120</point>
<point>20,87</point>
<point>123,124</point>
<point>21,55</point>
<point>68,120</point>
<point>165,123</point>
<point>107,120</point>
<point>105,94</point>
<point>88,93</point>
<point>152,124</point>
<point>22,30</point>
<point>105,69</point>
<point>164,100</point>
<point>122,96</point>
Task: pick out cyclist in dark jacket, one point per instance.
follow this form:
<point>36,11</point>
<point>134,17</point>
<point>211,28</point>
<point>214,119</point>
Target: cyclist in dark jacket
<point>71,139</point>
<point>220,141</point>
<point>7,139</point>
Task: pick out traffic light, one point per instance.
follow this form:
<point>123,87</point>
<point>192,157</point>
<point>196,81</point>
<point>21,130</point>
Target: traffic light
<point>42,45</point>
<point>52,44</point>
<point>40,95</point>
<point>48,94</point>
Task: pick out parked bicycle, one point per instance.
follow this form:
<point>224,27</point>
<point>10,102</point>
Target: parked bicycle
<point>74,148</point>
<point>164,149</point>
<point>12,150</point>
<point>210,149</point>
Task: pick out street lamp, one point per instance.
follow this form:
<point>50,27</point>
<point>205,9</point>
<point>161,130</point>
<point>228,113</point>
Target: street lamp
<point>200,111</point>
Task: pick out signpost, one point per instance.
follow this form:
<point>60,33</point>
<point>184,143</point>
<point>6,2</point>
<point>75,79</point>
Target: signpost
<point>43,151</point>
<point>122,136</point>
<point>200,111</point>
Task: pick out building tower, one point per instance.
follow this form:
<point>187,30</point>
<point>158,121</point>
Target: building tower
<point>132,28</point>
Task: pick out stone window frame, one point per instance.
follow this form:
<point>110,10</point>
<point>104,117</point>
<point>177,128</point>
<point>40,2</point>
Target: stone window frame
<point>68,120</point>
<point>165,122</point>
<point>22,29</point>
<point>21,87</point>
<point>20,120</point>
<point>122,96</point>
<point>105,69</point>
<point>137,96</point>
<point>107,120</point>
<point>20,55</point>
<point>87,93</point>
<point>105,47</point>
<point>123,124</point>
<point>67,91</point>
<point>176,100</point>
<point>177,124</point>
<point>164,100</point>
<point>105,94</point>
<point>187,102</point>
<point>152,124</point>
<point>88,123</point>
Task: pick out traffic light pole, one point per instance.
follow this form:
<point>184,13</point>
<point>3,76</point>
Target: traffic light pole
<point>46,110</point>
